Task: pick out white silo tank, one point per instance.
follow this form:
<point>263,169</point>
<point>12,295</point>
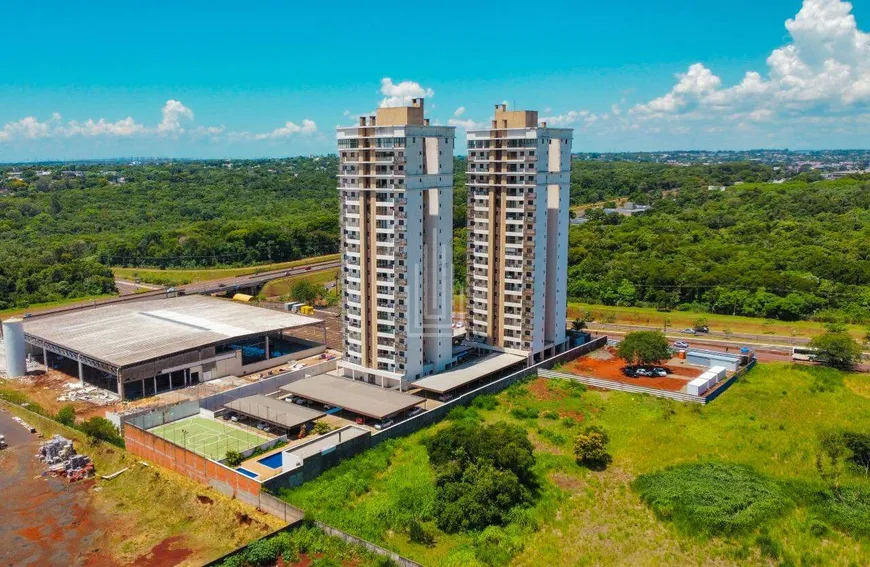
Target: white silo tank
<point>16,356</point>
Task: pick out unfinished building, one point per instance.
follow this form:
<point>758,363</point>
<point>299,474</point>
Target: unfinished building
<point>143,348</point>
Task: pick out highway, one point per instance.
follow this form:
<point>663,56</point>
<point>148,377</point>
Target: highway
<point>223,285</point>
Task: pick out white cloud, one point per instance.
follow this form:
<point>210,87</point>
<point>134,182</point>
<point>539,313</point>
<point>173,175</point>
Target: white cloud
<point>466,124</point>
<point>289,129</point>
<point>400,94</point>
<point>824,70</point>
<point>570,118</point>
<point>173,111</point>
<point>91,128</point>
<point>459,112</point>
<point>29,128</point>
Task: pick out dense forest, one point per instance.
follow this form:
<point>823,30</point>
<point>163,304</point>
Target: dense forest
<point>788,251</point>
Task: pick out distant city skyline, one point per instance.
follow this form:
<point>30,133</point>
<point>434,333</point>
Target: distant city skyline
<point>109,81</point>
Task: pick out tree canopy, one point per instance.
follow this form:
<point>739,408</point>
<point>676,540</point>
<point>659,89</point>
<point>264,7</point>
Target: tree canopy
<point>644,347</point>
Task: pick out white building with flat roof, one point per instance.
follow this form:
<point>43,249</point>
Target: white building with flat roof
<point>519,176</point>
<point>396,196</point>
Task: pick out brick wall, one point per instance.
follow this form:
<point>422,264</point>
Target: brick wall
<point>174,457</point>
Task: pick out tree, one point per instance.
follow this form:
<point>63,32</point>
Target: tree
<point>578,324</point>
<point>644,347</point>
<point>590,447</point>
<point>306,291</point>
<point>482,473</point>
<point>67,415</point>
<point>837,350</point>
<point>700,323</point>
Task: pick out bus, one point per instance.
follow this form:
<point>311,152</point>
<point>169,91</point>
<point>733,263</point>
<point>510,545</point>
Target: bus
<point>804,354</point>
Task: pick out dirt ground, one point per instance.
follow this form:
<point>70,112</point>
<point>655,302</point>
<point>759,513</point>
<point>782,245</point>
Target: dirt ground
<point>44,387</point>
<point>46,521</point>
<point>604,364</point>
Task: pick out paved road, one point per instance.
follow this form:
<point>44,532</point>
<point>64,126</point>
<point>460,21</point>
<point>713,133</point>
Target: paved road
<point>229,284</point>
<point>126,287</point>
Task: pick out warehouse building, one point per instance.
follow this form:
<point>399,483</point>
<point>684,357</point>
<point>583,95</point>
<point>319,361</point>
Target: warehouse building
<point>143,348</point>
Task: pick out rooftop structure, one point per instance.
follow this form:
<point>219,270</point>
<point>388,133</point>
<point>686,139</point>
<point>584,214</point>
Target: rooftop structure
<point>274,411</point>
<point>395,186</point>
<point>356,397</point>
<point>519,175</point>
<point>468,373</point>
<point>187,339</point>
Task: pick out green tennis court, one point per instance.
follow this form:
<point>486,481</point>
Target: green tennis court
<point>208,437</point>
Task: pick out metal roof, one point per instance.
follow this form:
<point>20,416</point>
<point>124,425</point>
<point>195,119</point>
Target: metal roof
<point>130,333</point>
<point>355,396</point>
<point>274,411</point>
<point>467,373</point>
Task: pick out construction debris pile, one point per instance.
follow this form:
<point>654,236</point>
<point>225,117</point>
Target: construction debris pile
<point>58,452</point>
<point>78,392</point>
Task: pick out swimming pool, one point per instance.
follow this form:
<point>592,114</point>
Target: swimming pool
<point>273,461</point>
<point>246,472</point>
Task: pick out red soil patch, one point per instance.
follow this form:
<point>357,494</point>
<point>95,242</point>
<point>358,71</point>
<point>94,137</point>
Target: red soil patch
<point>612,370</point>
<point>540,388</point>
<point>164,554</point>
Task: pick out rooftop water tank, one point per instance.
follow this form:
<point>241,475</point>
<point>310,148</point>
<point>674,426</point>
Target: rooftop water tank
<point>13,338</point>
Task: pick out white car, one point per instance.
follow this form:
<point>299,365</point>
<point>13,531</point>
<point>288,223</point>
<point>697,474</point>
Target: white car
<point>384,424</point>
<point>681,344</point>
<point>689,331</point>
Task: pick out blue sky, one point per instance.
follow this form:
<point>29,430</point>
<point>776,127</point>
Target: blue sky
<point>219,79</point>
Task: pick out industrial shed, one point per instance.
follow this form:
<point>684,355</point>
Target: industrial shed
<point>142,348</point>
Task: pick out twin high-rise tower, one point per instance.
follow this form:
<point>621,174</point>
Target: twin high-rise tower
<point>396,197</point>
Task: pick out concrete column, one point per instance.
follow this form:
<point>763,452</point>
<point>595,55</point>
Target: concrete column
<point>81,373</point>
<point>44,357</point>
<point>155,385</point>
<point>170,381</point>
<point>120,387</point>
<point>267,348</point>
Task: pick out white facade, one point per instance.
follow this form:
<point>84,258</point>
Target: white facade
<point>396,186</point>
<point>519,176</point>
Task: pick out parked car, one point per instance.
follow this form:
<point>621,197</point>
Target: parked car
<point>360,421</point>
<point>234,417</point>
<point>689,331</point>
<point>630,371</point>
<point>645,372</point>
<point>681,344</point>
<point>704,329</point>
<point>300,401</point>
<point>227,416</point>
<point>170,290</point>
<point>415,411</point>
<point>660,372</point>
<point>384,424</point>
<point>222,285</point>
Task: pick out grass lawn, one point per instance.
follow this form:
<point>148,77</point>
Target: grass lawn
<point>150,504</point>
<point>208,437</point>
<point>277,288</point>
<point>718,323</point>
<point>181,277</point>
<point>770,421</point>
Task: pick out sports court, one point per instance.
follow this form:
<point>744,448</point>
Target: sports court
<point>208,437</point>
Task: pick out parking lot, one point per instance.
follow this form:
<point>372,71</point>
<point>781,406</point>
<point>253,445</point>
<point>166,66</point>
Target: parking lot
<point>604,364</point>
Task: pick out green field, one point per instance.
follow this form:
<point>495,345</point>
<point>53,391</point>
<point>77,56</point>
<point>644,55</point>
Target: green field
<point>183,277</point>
<point>281,287</point>
<point>208,437</point>
<point>770,421</point>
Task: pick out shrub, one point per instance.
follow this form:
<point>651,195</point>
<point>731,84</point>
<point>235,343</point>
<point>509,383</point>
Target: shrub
<point>66,416</point>
<point>590,447</point>
<point>524,413</point>
<point>487,402</point>
<point>418,534</point>
<point>102,429</point>
<point>321,427</point>
<point>846,508</point>
<point>717,499</point>
<point>462,413</point>
<point>233,458</point>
